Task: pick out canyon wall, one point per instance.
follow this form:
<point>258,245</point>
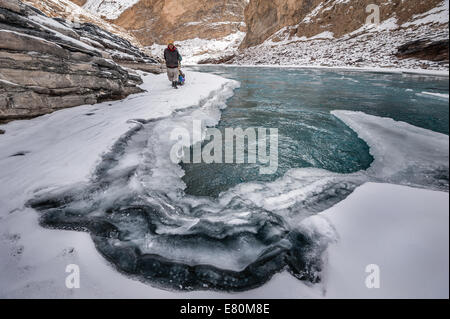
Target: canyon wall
<point>48,64</point>
<point>279,19</point>
<point>160,21</point>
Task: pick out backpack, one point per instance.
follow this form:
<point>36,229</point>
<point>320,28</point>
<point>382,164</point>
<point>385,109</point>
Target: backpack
<point>181,78</point>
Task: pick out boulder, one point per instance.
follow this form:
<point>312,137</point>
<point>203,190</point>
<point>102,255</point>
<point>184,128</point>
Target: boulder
<point>424,49</point>
<point>220,60</point>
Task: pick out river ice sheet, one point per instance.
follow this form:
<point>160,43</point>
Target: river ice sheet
<point>20,248</point>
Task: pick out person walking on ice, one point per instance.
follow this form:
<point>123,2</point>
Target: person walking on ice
<point>172,57</point>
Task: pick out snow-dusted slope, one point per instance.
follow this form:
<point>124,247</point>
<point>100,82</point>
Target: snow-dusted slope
<point>202,50</point>
<point>70,11</point>
<point>205,29</point>
<point>279,19</point>
<point>437,15</point>
<point>403,231</point>
<point>373,48</point>
<point>336,33</point>
<point>110,9</point>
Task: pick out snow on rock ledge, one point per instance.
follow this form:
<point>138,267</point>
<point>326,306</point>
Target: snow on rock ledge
<point>49,64</point>
<point>335,34</point>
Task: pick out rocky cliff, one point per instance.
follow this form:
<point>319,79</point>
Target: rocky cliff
<point>265,17</point>
<point>124,48</point>
<point>71,11</point>
<point>358,33</point>
<point>47,64</point>
<point>307,18</point>
<point>159,21</point>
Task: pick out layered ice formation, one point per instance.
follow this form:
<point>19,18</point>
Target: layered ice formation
<point>143,222</point>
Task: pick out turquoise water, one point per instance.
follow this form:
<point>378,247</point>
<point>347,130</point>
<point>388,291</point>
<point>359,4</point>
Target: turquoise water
<point>298,102</point>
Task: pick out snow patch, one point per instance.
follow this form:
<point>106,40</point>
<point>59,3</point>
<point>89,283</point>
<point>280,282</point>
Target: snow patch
<point>402,230</point>
<point>111,9</point>
<point>437,15</point>
<point>195,50</point>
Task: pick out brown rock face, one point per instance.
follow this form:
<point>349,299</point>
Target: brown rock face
<point>311,17</point>
<point>265,17</point>
<point>79,2</point>
<point>160,21</point>
<point>424,49</point>
<point>43,69</point>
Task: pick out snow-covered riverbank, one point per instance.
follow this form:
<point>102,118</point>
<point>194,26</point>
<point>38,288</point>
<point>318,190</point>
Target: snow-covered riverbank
<point>63,148</point>
<point>403,230</point>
